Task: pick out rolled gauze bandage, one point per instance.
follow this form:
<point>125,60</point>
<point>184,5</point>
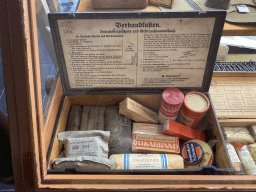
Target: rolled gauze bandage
<point>85,118</point>
<point>120,128</point>
<point>148,161</point>
<point>74,117</point>
<point>92,118</point>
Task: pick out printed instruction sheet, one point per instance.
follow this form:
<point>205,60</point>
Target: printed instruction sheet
<point>157,52</point>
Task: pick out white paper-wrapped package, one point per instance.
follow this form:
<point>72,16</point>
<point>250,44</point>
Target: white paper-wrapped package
<point>83,163</point>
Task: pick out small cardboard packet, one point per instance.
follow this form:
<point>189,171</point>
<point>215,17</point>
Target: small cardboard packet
<point>145,128</point>
<point>155,143</point>
<point>137,112</point>
<point>182,131</point>
<point>239,135</point>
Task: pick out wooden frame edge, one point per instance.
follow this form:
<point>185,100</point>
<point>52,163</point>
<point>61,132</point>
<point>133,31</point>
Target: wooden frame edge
<point>151,188</point>
<point>156,178</point>
<point>52,116</point>
<point>20,56</point>
<point>233,74</point>
<point>17,97</point>
<point>24,102</point>
<point>148,183</point>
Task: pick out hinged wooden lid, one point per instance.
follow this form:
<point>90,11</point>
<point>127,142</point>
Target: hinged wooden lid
<point>136,51</point>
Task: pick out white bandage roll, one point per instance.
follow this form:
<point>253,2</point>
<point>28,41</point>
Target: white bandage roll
<point>148,161</point>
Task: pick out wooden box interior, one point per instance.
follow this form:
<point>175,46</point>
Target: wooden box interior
<point>152,101</point>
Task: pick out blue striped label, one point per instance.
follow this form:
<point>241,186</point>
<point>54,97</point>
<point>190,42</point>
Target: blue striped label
<point>163,161</point>
<point>145,161</point>
<point>126,161</point>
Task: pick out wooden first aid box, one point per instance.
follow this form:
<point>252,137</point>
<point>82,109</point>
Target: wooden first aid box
<point>104,58</point>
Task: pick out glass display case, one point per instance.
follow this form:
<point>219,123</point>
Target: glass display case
<point>33,131</point>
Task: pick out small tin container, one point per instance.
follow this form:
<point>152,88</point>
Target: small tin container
<point>194,107</point>
<point>192,153</point>
<point>172,99</point>
<point>208,155</point>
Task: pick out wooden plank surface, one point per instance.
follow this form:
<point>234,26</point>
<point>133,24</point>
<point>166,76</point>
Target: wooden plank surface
<point>239,30</point>
<point>229,28</point>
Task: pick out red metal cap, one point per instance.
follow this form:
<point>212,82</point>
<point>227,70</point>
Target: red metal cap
<point>173,96</point>
<point>238,146</point>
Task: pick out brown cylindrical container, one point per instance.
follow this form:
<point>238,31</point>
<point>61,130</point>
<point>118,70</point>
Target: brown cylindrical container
<point>172,99</point>
<point>194,107</point>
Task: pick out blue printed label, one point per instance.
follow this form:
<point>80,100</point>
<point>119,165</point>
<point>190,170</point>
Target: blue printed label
<point>192,153</point>
<point>145,161</point>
